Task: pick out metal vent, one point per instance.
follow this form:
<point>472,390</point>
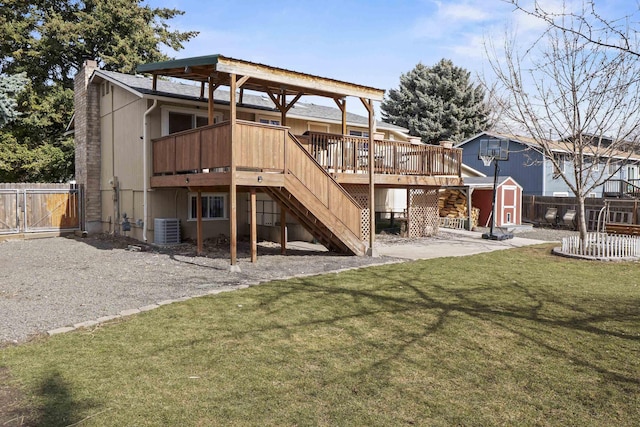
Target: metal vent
<point>166,231</point>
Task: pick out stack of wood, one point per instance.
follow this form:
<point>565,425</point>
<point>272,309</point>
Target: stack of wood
<point>475,216</point>
<point>452,204</point>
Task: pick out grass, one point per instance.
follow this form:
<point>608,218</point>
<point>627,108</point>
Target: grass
<point>515,337</point>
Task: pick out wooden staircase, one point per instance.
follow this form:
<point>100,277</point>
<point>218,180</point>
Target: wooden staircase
<point>318,202</point>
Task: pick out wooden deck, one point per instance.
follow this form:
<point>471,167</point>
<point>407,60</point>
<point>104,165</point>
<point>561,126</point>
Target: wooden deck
<point>202,157</point>
<point>304,174</point>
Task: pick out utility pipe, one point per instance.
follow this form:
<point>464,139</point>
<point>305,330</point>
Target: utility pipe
<point>145,143</point>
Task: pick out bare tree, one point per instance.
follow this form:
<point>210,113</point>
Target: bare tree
<point>571,96</point>
<point>617,33</point>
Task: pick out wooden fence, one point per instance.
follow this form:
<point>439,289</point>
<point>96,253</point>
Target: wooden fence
<point>29,208</point>
<point>624,211</point>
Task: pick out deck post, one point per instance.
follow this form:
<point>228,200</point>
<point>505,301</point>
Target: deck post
<point>283,230</point>
<point>469,194</point>
<point>233,197</point>
<point>210,103</point>
<point>254,227</point>
<point>342,105</point>
<point>408,222</point>
<point>199,222</point>
<point>368,103</point>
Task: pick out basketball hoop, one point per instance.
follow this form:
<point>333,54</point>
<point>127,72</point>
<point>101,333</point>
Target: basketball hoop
<point>487,160</point>
<point>495,150</point>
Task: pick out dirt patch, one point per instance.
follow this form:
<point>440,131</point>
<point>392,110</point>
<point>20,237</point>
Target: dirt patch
<point>14,410</point>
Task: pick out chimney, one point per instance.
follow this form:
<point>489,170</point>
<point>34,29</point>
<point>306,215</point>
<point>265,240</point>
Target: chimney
<point>87,145</point>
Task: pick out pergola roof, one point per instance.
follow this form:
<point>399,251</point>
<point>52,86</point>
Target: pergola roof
<point>217,69</point>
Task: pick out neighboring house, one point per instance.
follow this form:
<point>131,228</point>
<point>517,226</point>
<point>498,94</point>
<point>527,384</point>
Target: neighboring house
<point>224,161</point>
<point>536,173</point>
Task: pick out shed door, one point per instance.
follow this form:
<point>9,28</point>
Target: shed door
<point>509,201</point>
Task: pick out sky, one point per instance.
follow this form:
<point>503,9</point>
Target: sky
<point>369,42</point>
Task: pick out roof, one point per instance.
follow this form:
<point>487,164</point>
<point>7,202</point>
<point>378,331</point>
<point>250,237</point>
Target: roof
<point>142,86</point>
<point>485,181</point>
<point>217,69</point>
<point>555,146</point>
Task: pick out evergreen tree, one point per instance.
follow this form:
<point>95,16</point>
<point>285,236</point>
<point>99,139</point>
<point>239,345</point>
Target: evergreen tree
<point>437,103</point>
<point>48,40</point>
<point>10,87</point>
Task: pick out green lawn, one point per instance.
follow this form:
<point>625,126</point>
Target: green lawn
<point>515,337</point>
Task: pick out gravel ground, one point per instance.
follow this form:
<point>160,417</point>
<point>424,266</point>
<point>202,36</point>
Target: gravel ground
<point>55,282</point>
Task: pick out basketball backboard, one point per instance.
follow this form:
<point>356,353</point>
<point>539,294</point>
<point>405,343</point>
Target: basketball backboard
<point>494,148</point>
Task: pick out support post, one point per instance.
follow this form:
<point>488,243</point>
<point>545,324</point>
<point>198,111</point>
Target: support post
<point>342,105</point>
<point>469,192</point>
<point>283,230</point>
<point>210,101</point>
<point>408,212</point>
<point>233,197</point>
<point>254,227</point>
<point>199,222</point>
<point>368,103</point>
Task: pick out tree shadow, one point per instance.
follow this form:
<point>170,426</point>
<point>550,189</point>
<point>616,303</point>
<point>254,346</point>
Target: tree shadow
<point>59,408</point>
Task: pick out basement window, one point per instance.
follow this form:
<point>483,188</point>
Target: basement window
<point>214,206</point>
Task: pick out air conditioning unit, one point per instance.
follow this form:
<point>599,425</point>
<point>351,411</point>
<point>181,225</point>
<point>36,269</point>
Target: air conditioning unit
<point>166,231</point>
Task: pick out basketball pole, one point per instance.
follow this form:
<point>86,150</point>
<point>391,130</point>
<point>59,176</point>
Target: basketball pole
<point>493,199</point>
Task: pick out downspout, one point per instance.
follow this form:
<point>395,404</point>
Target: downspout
<point>145,143</point>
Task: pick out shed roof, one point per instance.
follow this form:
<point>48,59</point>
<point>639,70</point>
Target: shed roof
<point>217,69</point>
<point>486,181</point>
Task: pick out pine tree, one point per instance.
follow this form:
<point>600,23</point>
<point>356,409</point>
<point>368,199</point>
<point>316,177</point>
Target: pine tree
<point>437,103</point>
<point>10,87</point>
<point>48,40</point>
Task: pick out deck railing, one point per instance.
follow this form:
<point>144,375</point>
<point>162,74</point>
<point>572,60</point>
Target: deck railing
<point>193,151</point>
<point>260,146</point>
<point>350,154</point>
<point>621,187</point>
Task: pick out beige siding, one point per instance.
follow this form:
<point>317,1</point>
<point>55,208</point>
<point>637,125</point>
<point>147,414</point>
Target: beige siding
<point>122,156</point>
<point>106,149</point>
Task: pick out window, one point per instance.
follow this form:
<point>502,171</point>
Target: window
<point>269,121</point>
<point>180,121</point>
<point>560,194</point>
<point>213,206</point>
<point>561,160</point>
<point>362,133</point>
<point>613,167</point>
<point>104,88</point>
<point>175,119</point>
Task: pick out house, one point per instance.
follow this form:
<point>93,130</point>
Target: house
<point>223,162</point>
<point>535,172</point>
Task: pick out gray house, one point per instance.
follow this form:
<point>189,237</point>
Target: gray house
<point>536,173</point>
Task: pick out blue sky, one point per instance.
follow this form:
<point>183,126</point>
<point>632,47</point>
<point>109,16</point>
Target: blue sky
<point>367,42</point>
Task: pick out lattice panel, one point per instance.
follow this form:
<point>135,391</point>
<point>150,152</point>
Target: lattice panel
<point>423,212</point>
<point>361,195</point>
